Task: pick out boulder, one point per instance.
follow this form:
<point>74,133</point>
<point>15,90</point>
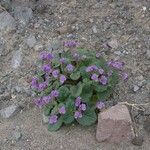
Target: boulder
<point>23,15</point>
<point>9,111</point>
<point>115,125</point>
<point>7,22</point>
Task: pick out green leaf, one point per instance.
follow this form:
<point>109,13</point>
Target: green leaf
<point>89,118</point>
<point>75,75</point>
<point>47,109</point>
<point>56,84</point>
<point>56,126</point>
<point>113,80</point>
<point>76,90</point>
<point>84,74</point>
<point>86,80</point>
<point>54,110</point>
<point>100,62</point>
<point>48,90</point>
<point>63,93</point>
<point>87,92</point>
<point>68,118</point>
<point>55,63</point>
<point>105,95</point>
<point>70,108</point>
<point>98,87</point>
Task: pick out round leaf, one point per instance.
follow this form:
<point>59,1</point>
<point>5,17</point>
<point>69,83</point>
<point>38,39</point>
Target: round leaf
<point>56,126</point>
<point>76,90</point>
<point>75,75</point>
<point>89,118</point>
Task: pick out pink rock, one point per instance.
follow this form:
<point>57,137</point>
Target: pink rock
<point>115,125</point>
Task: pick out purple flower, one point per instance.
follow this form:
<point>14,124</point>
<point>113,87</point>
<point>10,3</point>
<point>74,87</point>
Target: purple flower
<point>101,71</point>
<point>46,99</point>
<point>54,93</point>
<point>47,68</point>
<point>77,114</point>
<point>100,105</point>
<point>38,102</point>
<point>62,79</point>
<point>91,68</point>
<point>43,55</point>
<point>62,110</point>
<point>124,76</point>
<point>78,101</point>
<point>103,80</point>
<point>55,73</point>
<point>42,86</point>
<point>34,82</point>
<point>53,119</point>
<point>49,56</point>
<point>98,55</point>
<point>94,67</point>
<point>94,77</point>
<point>70,43</point>
<point>82,107</point>
<point>62,60</point>
<point>109,62</point>
<point>70,67</point>
<point>116,64</point>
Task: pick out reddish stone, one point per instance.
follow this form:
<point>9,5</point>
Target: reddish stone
<point>115,125</point>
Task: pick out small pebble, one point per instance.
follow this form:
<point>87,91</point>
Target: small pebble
<point>138,141</point>
<point>16,135</point>
<point>135,88</point>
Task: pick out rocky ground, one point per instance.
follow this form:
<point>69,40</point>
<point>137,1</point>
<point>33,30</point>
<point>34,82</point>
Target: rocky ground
<point>120,29</point>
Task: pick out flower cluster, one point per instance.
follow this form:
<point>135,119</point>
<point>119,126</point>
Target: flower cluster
<point>97,74</point>
<point>118,65</point>
<point>100,105</point>
<point>71,85</point>
<point>46,56</point>
<point>38,86</point>
<point>71,44</point>
<point>46,99</point>
<point>54,118</point>
<point>80,108</point>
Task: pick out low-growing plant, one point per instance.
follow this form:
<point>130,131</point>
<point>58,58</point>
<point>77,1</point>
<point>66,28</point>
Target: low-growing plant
<point>73,85</point>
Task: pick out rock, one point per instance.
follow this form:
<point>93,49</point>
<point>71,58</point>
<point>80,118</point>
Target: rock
<point>2,47</point>
<point>138,140</point>
<point>148,86</point>
<point>9,111</point>
<point>6,4</point>
<point>64,29</point>
<point>16,59</point>
<point>31,40</point>
<point>113,43</point>
<point>23,14</point>
<point>147,124</point>
<point>56,44</point>
<point>117,53</point>
<point>5,96</point>
<point>94,29</point>
<point>16,135</point>
<point>110,103</point>
<point>23,3</point>
<point>148,54</point>
<point>115,125</point>
<point>135,88</point>
<point>7,22</point>
<point>40,7</point>
<point>45,119</point>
